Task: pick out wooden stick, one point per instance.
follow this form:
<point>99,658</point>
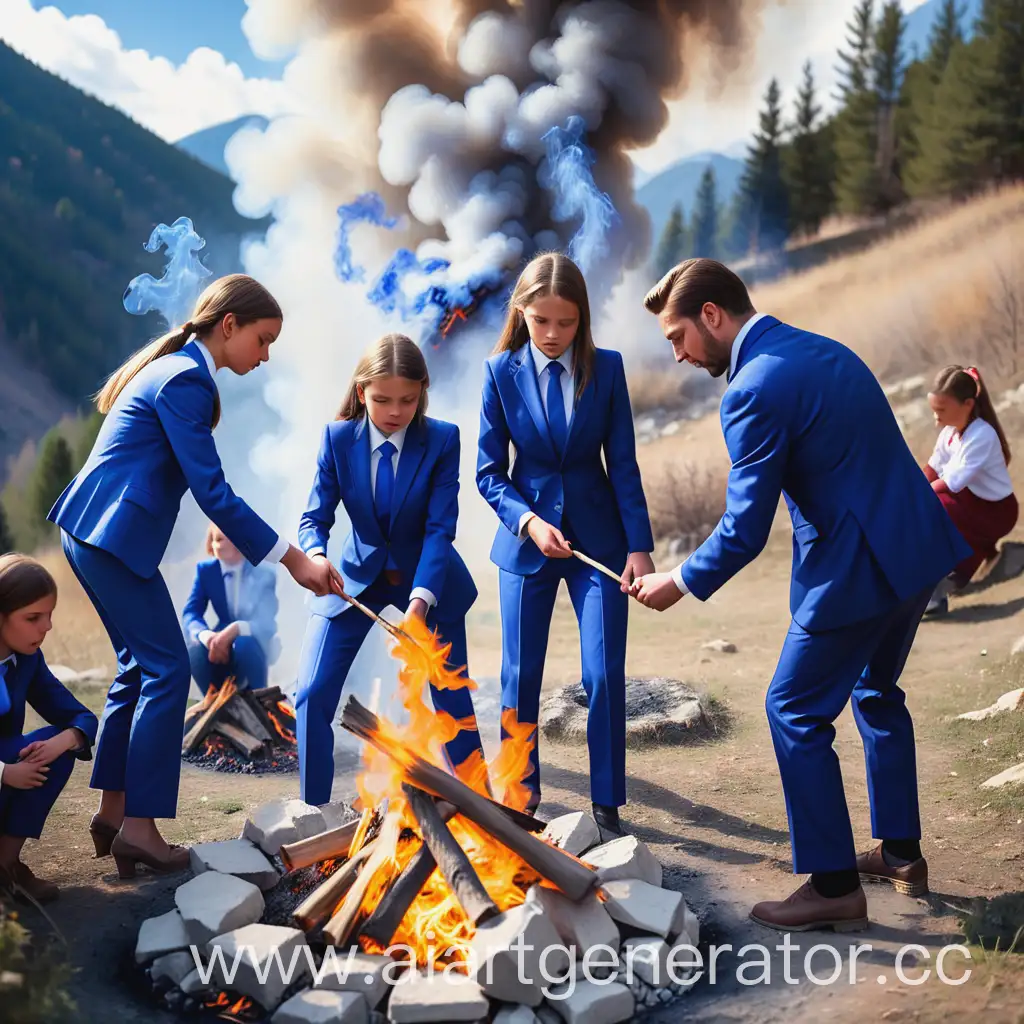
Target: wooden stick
<point>198,732</point>
<point>329,845</point>
<point>241,740</point>
<point>597,565</point>
<point>458,872</point>
<point>267,694</point>
<point>390,627</point>
<point>570,875</point>
<point>320,903</point>
<point>381,925</point>
<point>339,929</point>
<point>240,711</point>
<point>195,710</point>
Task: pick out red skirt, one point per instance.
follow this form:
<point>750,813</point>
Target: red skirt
<point>982,523</point>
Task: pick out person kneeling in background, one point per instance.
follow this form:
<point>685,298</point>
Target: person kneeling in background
<point>968,471</point>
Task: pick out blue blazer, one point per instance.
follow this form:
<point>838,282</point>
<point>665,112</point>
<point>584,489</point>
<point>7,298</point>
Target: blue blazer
<point>424,514</point>
<point>258,603</point>
<point>155,444</point>
<point>607,509</point>
<point>803,416</point>
<point>30,683</point>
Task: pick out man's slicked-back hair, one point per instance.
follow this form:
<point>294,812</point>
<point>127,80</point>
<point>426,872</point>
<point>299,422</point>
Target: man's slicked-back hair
<point>688,285</point>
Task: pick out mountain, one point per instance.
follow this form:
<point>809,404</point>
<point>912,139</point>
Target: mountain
<point>679,182</point>
<point>81,188</point>
<point>208,145</point>
<point>921,19</point>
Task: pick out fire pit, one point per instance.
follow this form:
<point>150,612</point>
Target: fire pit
<point>436,903</point>
<point>250,731</point>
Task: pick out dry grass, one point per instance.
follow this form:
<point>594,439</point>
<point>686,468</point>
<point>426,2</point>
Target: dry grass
<point>686,501</point>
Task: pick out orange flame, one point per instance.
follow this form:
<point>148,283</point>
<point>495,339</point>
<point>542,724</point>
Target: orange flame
<point>230,1008</point>
<point>435,927</point>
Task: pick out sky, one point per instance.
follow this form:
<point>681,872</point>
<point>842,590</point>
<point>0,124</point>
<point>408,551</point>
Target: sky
<point>178,66</point>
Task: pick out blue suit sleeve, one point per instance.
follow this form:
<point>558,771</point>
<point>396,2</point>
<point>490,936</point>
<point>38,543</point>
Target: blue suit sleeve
<point>623,471</point>
<point>324,496</point>
<point>55,703</point>
<point>193,615</point>
<point>442,519</point>
<point>756,438</point>
<point>492,479</point>
<point>185,409</point>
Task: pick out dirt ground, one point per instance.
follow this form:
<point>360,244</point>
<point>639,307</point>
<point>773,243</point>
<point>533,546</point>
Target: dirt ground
<point>713,813</point>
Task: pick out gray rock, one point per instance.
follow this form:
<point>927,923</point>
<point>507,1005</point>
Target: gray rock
<point>721,646</point>
<point>515,1015</point>
<point>624,857</point>
<point>357,972</point>
<point>575,833</point>
<point>160,935</point>
<point>193,985</point>
<point>236,857</point>
<point>1012,701</point>
<point>583,924</point>
<point>593,1003</point>
<point>274,824</point>
<point>172,967</point>
<point>647,958</point>
<point>436,998</point>
<point>260,950</point>
<point>642,906</point>
<point>1011,777</point>
<point>212,904</point>
<point>318,1006</point>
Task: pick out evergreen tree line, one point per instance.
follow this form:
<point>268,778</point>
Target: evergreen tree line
<point>947,123</point>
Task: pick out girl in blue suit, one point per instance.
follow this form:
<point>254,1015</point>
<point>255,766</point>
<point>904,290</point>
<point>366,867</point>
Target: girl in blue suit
<point>244,599</point>
<point>116,518</point>
<point>560,402</point>
<point>34,766</point>
<point>397,474</point>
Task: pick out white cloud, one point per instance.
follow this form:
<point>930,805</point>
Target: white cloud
<point>171,100</point>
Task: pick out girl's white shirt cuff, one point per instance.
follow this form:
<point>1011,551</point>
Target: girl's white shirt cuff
<point>677,578</point>
<point>277,552</point>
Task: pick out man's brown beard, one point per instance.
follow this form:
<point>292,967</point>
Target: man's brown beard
<point>713,349</point>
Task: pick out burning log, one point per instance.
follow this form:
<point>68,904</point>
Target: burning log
<point>199,707</point>
<point>199,731</point>
<point>450,857</point>
<point>267,694</point>
<point>339,929</point>
<point>247,745</point>
<point>563,870</point>
<point>241,712</point>
<point>255,707</point>
<point>320,903</point>
<point>331,845</point>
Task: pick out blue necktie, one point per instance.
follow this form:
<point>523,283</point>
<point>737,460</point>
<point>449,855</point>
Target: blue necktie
<point>384,487</point>
<point>5,697</point>
<point>557,425</point>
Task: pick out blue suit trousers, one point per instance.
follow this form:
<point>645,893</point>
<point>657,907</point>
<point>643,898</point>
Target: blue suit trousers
<point>817,674</point>
<point>247,664</point>
<point>139,747</point>
<point>23,812</point>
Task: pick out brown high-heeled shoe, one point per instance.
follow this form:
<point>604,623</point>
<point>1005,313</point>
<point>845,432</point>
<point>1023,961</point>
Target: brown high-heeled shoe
<point>102,835</point>
<point>127,857</point>
<point>18,880</point>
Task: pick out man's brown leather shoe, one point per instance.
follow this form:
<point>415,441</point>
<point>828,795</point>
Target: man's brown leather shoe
<point>910,879</point>
<point>806,910</point>
<point>19,881</point>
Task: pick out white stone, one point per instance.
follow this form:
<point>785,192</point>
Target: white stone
<point>264,950</point>
<point>721,646</point>
<point>575,833</point>
<point>624,857</point>
<point>273,824</point>
<point>317,1006</point>
<point>212,904</point>
<point>685,927</point>
<point>172,967</point>
<point>336,814</point>
<point>236,857</point>
<point>1012,701</point>
<point>64,674</point>
<point>515,1015</point>
<point>436,998</point>
<point>518,975</point>
<point>582,924</point>
<point>159,935</point>
<point>640,905</point>
<point>193,985</point>
<point>1012,776</point>
<point>647,958</point>
<point>593,1003</point>
<point>357,972</point>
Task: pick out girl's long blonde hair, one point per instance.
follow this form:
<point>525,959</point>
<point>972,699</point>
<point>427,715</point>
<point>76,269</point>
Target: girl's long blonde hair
<point>394,355</point>
<point>551,273</point>
<point>236,293</point>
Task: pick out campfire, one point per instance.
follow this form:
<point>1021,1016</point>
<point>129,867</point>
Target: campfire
<point>241,730</point>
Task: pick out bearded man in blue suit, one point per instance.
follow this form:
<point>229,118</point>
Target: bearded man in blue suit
<point>805,419</point>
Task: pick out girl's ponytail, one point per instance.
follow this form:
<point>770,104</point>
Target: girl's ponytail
<point>964,383</point>
<point>174,341</point>
<point>987,411</point>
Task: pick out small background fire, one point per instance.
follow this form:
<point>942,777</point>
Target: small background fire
<point>241,730</point>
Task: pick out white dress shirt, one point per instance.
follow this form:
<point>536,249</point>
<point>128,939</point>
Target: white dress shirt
<point>734,355</point>
<point>12,660</point>
<point>973,459</point>
<point>234,588</point>
<point>541,364</point>
<point>377,438</point>
<point>280,548</point>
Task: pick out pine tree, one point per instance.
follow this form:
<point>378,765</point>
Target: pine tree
<point>764,203</point>
<point>51,475</point>
<point>888,69</point>
<point>855,66</point>
<point>1000,96</point>
<point>946,33</point>
<point>705,217</point>
<point>672,247</point>
<point>6,539</point>
<point>807,162</point>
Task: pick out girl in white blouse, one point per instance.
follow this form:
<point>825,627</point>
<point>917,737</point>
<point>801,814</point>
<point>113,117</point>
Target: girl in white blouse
<point>968,471</point>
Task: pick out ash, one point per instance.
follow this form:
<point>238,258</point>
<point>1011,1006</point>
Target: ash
<point>278,762</point>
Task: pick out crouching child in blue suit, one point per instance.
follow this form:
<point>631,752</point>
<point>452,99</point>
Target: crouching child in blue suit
<point>244,598</point>
<point>34,766</point>
<point>396,472</point>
